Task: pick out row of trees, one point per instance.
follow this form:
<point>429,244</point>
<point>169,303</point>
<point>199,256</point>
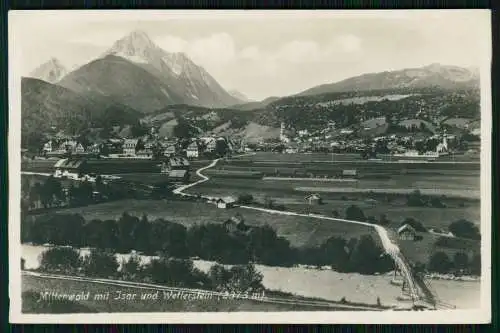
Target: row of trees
<point>417,199</point>
<point>459,263</point>
<point>164,270</point>
<point>215,242</point>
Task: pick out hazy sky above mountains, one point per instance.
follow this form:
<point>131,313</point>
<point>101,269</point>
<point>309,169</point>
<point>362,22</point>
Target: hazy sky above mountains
<point>264,54</point>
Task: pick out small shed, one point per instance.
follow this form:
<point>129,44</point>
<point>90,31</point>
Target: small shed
<point>313,199</point>
<point>225,202</point>
<point>407,232</point>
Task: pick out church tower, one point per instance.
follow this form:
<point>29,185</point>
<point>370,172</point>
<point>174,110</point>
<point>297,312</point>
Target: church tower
<point>283,137</point>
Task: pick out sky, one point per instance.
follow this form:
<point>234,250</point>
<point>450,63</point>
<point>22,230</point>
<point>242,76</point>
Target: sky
<point>262,54</point>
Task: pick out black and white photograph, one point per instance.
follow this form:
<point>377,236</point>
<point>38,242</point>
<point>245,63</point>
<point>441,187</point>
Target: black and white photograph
<point>250,166</point>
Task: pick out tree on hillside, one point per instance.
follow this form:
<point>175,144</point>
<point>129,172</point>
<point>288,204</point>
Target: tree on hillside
<point>269,202</point>
<point>138,129</point>
<point>460,261</point>
<point>126,227</point>
<point>51,192</point>
<point>100,263</point>
<point>415,199</point>
<point>57,259</point>
<point>353,212</point>
<point>221,148</point>
<point>132,269</point>
<point>183,130</point>
<point>475,264</point>
<point>245,198</point>
<point>368,258</point>
<point>175,272</point>
<point>383,220</point>
<point>465,229</point>
<point>245,279</point>
<point>333,252</point>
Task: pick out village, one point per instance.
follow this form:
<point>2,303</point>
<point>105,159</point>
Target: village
<point>414,143</point>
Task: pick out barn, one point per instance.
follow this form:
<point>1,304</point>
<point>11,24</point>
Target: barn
<point>407,232</point>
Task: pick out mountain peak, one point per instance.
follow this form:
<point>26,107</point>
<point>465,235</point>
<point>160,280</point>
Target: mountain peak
<point>135,44</point>
<point>50,71</point>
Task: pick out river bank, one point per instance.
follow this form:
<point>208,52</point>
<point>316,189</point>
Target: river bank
<point>321,283</point>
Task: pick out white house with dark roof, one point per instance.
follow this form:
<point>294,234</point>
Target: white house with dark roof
<point>226,202</point>
<point>193,151</point>
<point>407,232</point>
<point>129,146</point>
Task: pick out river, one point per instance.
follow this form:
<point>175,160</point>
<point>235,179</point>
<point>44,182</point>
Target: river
<point>326,284</point>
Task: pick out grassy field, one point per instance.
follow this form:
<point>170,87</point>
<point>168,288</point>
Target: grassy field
<point>310,157</point>
<point>33,286</point>
<point>298,230</point>
<point>394,206</point>
<point>460,187</point>
<point>107,166</point>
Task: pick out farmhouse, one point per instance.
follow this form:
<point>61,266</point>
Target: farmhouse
<point>129,147</point>
<point>407,232</point>
<point>313,199</point>
<point>211,145</point>
<point>145,153</point>
<point>71,168</point>
<point>94,149</point>
<point>193,150</point>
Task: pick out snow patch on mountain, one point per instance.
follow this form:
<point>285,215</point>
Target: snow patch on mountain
<point>133,58</point>
<point>51,71</point>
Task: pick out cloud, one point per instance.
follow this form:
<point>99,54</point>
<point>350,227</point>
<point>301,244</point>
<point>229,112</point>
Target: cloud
<point>214,50</point>
<point>241,67</point>
<point>349,43</point>
<point>101,39</point>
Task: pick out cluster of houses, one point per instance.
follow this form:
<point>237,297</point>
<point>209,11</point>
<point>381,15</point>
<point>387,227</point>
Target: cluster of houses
<point>146,147</point>
<point>324,141</point>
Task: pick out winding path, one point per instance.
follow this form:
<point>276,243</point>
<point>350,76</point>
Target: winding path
<point>419,295</point>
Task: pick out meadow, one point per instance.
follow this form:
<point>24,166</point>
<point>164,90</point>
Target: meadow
<point>325,157</point>
<point>341,195</point>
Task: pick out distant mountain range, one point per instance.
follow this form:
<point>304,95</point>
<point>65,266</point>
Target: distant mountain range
<point>135,79</point>
<point>432,76</point>
<point>51,71</point>
<point>255,105</point>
